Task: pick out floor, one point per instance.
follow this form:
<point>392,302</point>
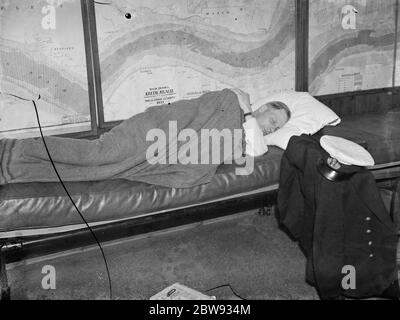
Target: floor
<point>247,251</point>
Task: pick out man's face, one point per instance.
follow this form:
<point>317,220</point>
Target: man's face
<point>270,119</point>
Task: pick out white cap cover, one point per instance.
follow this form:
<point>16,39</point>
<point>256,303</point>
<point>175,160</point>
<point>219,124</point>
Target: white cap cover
<point>346,152</point>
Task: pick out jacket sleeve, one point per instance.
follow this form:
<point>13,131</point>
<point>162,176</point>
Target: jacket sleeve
<point>290,198</point>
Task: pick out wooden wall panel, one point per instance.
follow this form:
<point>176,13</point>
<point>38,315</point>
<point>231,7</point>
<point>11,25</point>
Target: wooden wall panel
<point>373,101</point>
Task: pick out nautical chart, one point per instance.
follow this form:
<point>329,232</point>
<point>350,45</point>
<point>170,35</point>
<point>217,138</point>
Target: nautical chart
<point>42,52</point>
<point>159,51</point>
<point>351,45</point>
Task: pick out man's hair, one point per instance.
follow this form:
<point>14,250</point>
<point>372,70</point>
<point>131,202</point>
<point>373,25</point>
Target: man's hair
<point>278,105</point>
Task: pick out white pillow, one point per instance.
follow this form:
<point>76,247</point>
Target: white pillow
<point>308,116</point>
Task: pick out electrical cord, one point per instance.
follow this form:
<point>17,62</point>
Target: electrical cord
<point>66,191</point>
<point>230,287</point>
<point>72,201</point>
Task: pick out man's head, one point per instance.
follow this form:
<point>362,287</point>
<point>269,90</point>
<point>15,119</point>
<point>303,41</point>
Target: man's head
<point>272,116</point>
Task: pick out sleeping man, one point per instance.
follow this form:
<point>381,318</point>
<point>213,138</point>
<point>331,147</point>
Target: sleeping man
<point>176,145</point>
<point>265,120</point>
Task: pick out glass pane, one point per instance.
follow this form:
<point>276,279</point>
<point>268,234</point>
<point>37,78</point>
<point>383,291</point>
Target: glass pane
<point>351,45</point>
<point>42,52</point>
<point>158,51</point>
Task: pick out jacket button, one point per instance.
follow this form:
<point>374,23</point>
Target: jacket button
<point>370,243</point>
<point>371,255</point>
<point>369,231</point>
<point>368,218</point>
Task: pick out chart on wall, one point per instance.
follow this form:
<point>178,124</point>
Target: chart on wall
<point>159,51</point>
<point>351,45</point>
<point>42,52</point>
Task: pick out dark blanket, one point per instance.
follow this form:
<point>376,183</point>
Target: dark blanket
<point>337,224</point>
<point>121,152</point>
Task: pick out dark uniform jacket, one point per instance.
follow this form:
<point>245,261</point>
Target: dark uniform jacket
<point>337,224</point>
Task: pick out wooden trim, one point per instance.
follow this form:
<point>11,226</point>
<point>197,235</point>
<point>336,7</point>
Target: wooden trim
<point>301,53</point>
<point>360,93</point>
<point>89,70</point>
<point>96,61</point>
<point>360,102</point>
<point>110,124</point>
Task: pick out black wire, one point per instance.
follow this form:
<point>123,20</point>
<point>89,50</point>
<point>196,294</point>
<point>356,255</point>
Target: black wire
<point>15,96</point>
<point>230,287</point>
<point>62,183</point>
